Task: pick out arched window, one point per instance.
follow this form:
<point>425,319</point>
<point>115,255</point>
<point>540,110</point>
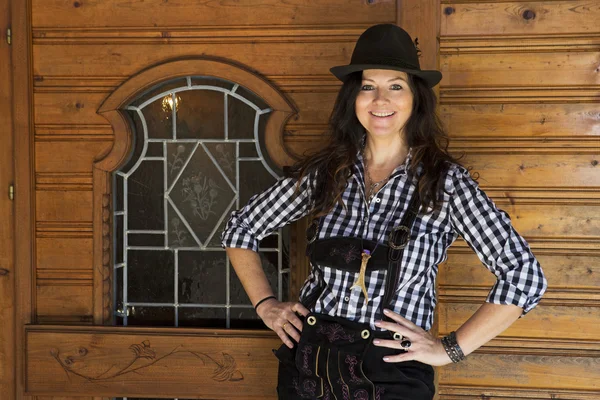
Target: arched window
<point>198,154</point>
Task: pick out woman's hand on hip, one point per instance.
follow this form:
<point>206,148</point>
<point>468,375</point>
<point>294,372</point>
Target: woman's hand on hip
<point>283,319</point>
<point>423,346</point>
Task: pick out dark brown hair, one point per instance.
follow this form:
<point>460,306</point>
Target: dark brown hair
<point>333,164</point>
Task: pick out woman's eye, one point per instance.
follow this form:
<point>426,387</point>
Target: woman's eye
<point>367,87</point>
<point>396,87</point>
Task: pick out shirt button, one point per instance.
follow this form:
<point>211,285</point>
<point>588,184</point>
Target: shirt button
<point>377,200</point>
<point>366,219</point>
<point>347,298</point>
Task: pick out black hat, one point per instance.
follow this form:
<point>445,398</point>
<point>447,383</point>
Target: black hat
<point>386,46</point>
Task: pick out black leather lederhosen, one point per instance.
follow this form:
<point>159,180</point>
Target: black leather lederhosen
<point>335,358</point>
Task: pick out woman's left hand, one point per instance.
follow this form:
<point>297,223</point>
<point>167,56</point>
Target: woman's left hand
<point>424,347</point>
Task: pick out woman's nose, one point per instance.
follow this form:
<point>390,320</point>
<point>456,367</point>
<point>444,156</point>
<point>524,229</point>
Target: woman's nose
<point>380,96</point>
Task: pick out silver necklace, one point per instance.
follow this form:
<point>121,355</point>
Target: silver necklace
<point>373,187</point>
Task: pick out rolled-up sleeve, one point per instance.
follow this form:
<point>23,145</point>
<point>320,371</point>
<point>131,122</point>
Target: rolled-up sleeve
<point>268,211</point>
<point>489,232</point>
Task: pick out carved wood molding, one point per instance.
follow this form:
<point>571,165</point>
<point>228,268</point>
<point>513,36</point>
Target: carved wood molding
<point>502,44</point>
<point>556,246</point>
<point>574,347</point>
<point>476,144</point>
<point>191,35</point>
<point>518,94</point>
<point>220,364</point>
<point>63,181</point>
<point>78,276</point>
<point>111,109</point>
<point>463,248</point>
<point>98,84</point>
<point>107,276</point>
<point>576,297</point>
<point>282,109</point>
<point>63,229</point>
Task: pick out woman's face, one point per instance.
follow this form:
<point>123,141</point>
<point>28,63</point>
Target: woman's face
<point>384,102</point>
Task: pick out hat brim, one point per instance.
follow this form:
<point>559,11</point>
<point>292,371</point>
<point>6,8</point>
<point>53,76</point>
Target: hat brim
<point>432,77</point>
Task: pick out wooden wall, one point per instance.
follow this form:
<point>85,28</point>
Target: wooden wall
<point>519,95</point>
<point>520,98</point>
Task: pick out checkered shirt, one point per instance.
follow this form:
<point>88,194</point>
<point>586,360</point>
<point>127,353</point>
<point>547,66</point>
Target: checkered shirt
<point>466,211</point>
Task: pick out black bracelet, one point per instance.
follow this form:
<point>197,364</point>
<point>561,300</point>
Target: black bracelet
<point>452,348</point>
<point>262,301</point>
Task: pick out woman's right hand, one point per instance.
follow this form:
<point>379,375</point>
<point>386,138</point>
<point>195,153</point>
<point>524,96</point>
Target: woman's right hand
<point>283,319</point>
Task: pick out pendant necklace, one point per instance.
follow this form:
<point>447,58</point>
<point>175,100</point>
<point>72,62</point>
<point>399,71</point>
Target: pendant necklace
<point>366,254</point>
<point>373,187</point>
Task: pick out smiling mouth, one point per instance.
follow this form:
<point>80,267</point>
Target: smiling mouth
<point>382,114</point>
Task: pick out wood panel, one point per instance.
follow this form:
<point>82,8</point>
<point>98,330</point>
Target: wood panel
<point>519,97</point>
<point>556,221</point>
<point>525,371</point>
<point>68,156</point>
<point>533,171</point>
<point>540,69</point>
<point>66,253</point>
<point>66,300</point>
<point>181,13</point>
<point>572,321</point>
<point>24,188</point>
<point>511,17</point>
<point>138,362</point>
<point>128,59</point>
<point>564,271</point>
<point>68,108</point>
<point>535,121</point>
<point>64,205</point>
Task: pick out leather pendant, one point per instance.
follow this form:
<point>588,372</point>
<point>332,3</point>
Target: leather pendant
<point>360,282</point>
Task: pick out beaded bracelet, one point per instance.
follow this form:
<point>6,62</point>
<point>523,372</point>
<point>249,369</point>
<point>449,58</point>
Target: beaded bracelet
<point>452,348</point>
<point>262,301</point>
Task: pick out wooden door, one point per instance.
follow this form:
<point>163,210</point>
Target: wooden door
<point>91,63</point>
<point>519,95</point>
<point>7,180</point>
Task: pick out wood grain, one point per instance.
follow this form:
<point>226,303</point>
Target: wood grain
<point>506,17</point>
<point>67,253</point>
<point>524,371</point>
<point>8,356</point>
<point>73,300</point>
<point>68,108</point>
<point>543,69</point>
<point>138,362</point>
<point>519,171</point>
<point>75,155</point>
<point>176,13</point>
<point>64,205</point>
<point>576,322</point>
<point>128,59</point>
<point>25,292</point>
<point>573,271</point>
<point>532,121</point>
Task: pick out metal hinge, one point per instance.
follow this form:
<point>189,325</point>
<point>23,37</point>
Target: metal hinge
<point>8,36</point>
<point>11,192</point>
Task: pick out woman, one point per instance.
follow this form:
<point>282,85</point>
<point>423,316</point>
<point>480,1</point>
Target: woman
<point>387,201</point>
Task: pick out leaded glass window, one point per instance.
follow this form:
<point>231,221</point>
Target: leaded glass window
<point>198,154</point>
